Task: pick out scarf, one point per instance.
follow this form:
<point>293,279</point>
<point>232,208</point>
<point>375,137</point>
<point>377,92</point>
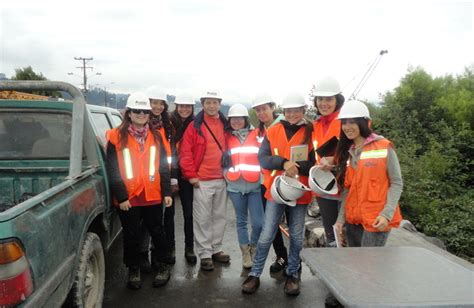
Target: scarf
<point>326,121</point>
<point>156,121</point>
<point>139,135</point>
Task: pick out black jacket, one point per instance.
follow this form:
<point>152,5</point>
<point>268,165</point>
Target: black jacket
<point>274,162</point>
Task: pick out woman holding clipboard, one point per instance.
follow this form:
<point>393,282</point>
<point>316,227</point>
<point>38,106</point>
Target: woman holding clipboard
<point>328,101</point>
<point>289,138</point>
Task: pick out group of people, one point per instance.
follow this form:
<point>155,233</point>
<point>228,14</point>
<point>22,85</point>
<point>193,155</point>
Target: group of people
<point>208,158</point>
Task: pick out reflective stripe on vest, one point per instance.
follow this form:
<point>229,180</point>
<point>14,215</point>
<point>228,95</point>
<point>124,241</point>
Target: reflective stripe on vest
<point>151,171</point>
<point>245,167</point>
<point>382,153</point>
<point>128,164</point>
<point>244,150</point>
<point>168,159</point>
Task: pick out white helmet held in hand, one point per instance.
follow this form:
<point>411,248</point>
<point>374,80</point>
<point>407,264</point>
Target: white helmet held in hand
<point>238,110</point>
<point>327,86</point>
<point>354,109</point>
<point>262,100</point>
<point>288,190</point>
<point>184,99</point>
<point>322,182</point>
<point>138,100</point>
<point>293,100</point>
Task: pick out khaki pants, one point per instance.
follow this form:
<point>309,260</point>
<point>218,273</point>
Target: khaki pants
<point>209,217</point>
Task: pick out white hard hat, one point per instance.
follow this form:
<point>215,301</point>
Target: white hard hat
<point>138,100</point>
<point>155,93</point>
<point>288,190</point>
<point>276,194</point>
<point>327,86</point>
<point>354,109</point>
<point>322,182</point>
<point>211,94</point>
<point>238,110</point>
<point>262,99</point>
<point>293,100</point>
<point>184,99</point>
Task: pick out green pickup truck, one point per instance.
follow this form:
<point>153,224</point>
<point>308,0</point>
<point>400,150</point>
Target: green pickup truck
<point>56,218</point>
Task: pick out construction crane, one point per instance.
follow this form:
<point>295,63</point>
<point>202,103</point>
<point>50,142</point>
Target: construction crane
<point>362,82</point>
<point>367,75</point>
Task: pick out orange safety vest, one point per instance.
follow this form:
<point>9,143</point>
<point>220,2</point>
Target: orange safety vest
<point>244,158</point>
<point>368,186</point>
<point>319,138</point>
<point>139,170</point>
<point>166,145</point>
<point>280,146</point>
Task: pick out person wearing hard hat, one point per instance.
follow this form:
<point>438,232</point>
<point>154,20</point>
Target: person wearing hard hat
<point>264,107</point>
<point>139,177</point>
<point>243,180</point>
<point>200,155</point>
<point>287,149</point>
<point>328,100</point>
<point>369,171</point>
<point>182,115</point>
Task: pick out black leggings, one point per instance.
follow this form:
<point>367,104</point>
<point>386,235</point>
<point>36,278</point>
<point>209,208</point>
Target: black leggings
<point>278,244</point>
<point>151,217</point>
<point>329,210</point>
<point>186,196</point>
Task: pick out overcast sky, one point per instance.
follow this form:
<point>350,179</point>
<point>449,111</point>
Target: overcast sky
<point>240,48</point>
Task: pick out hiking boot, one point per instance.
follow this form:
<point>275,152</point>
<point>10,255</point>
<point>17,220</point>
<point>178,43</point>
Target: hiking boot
<point>279,265</point>
<point>134,279</point>
<point>170,257</point>
<point>246,258</point>
<point>331,301</point>
<point>207,264</point>
<point>250,285</point>
<point>253,251</point>
<point>162,275</point>
<point>145,265</point>
<point>221,257</point>
<point>189,255</point>
<point>292,286</point>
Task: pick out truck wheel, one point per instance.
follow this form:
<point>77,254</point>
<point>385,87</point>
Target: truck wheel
<point>88,287</point>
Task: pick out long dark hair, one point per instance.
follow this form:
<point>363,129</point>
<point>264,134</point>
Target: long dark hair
<point>261,125</point>
<point>180,125</point>
<point>339,102</point>
<point>343,146</point>
<point>123,131</point>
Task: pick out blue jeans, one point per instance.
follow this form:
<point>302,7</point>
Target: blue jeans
<point>273,214</point>
<point>243,204</point>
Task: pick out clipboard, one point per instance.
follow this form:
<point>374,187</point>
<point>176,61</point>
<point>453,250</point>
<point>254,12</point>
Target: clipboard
<point>328,148</point>
<point>299,153</point>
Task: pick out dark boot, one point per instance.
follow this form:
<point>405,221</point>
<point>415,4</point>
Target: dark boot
<point>170,257</point>
<point>292,286</point>
<point>279,265</point>
<point>162,275</point>
<point>145,265</point>
<point>207,264</point>
<point>250,285</point>
<point>134,279</point>
<point>189,255</point>
<point>221,257</point>
<point>331,301</point>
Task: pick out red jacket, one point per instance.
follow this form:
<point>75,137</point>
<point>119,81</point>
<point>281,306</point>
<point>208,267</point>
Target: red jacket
<point>193,146</point>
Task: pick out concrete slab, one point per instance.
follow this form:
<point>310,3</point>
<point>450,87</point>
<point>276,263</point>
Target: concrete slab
<point>392,277</point>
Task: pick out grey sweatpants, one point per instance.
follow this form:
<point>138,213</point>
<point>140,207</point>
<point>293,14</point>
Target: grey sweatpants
<point>356,236</point>
<point>209,217</point>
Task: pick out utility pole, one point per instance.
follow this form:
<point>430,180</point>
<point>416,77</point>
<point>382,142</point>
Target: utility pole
<point>84,71</point>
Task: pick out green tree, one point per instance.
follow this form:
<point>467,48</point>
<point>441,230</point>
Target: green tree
<point>429,120</point>
<point>27,73</point>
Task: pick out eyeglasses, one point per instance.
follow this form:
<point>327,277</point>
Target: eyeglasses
<point>138,111</point>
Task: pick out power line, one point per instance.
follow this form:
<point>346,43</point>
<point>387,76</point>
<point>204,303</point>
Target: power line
<point>84,68</point>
